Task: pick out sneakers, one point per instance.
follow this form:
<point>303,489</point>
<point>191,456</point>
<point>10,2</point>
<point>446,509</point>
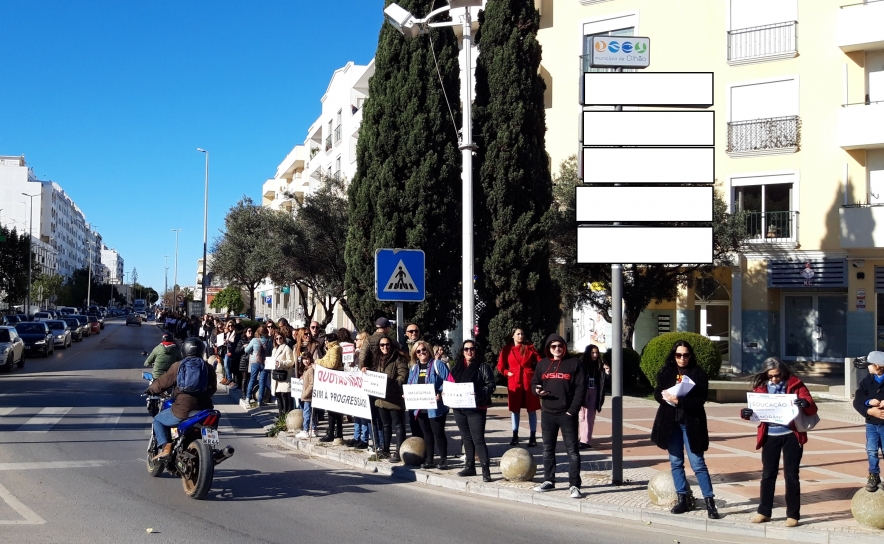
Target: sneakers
<point>873,482</point>
<point>311,434</point>
<point>545,486</point>
<point>338,442</point>
<point>302,435</point>
<point>575,492</point>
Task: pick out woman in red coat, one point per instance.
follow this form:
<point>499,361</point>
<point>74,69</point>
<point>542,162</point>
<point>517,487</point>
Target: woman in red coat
<point>517,362</point>
<point>773,439</point>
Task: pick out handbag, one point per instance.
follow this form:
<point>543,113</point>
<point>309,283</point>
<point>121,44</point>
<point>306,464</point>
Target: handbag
<point>804,422</point>
<point>280,375</point>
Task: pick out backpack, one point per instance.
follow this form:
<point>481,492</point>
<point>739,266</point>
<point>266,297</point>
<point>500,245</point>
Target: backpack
<point>193,376</point>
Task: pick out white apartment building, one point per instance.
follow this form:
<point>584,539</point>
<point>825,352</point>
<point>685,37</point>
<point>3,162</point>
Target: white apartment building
<point>111,259</point>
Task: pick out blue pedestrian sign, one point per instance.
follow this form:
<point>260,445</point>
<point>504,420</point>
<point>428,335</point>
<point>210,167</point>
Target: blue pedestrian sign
<point>399,275</point>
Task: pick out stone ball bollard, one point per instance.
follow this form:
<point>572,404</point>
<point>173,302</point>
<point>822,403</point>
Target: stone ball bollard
<point>518,465</point>
<point>868,508</point>
<point>413,451</point>
<point>661,489</point>
<point>294,421</point>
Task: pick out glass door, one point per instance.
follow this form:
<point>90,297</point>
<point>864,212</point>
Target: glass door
<point>814,327</point>
<point>832,327</point>
<point>713,320</point>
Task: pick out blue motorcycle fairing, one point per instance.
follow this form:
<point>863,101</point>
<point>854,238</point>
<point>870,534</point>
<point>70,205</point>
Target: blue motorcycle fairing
<point>185,425</point>
<point>167,404</point>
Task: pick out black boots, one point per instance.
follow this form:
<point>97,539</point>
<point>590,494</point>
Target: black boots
<point>469,470</point>
<point>486,473</point>
<point>683,505</point>
<point>515,439</point>
<point>711,511</point>
<point>532,441</point>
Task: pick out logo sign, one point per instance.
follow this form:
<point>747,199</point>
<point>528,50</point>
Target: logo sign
<point>620,52</point>
<point>399,275</point>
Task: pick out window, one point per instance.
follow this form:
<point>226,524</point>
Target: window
<point>770,203</point>
<point>761,30</point>
<point>763,117</point>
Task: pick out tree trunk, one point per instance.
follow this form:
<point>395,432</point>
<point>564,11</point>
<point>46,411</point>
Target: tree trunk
<point>252,289</point>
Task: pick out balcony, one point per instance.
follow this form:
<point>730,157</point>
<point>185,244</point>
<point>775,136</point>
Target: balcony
<point>269,189</point>
<point>861,26</point>
<point>770,136</point>
<point>772,227</point>
<point>762,43</point>
<point>862,226</point>
<point>328,143</point>
<point>337,133</point>
<point>861,126</point>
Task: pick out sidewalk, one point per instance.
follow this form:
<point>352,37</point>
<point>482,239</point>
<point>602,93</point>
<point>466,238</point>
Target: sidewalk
<point>833,469</point>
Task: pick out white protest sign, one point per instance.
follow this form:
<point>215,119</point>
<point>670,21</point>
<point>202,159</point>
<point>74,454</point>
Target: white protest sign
<point>681,388</point>
<point>458,395</point>
<point>340,392</point>
<point>269,363</point>
<point>374,384</point>
<point>419,396</point>
<point>778,409</point>
<point>347,353</point>
<point>297,388</point>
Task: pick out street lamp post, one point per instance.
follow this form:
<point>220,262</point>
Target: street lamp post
<point>89,277</point>
<point>205,225</point>
<point>165,278</point>
<point>411,27</point>
<point>30,248</point>
<point>175,280</point>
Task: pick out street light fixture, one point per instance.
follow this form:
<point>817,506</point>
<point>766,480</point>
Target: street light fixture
<point>409,26</point>
<point>30,248</point>
<point>175,280</point>
<point>205,224</point>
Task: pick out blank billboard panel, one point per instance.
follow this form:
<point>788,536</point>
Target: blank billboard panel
<point>631,203</point>
<point>644,245</point>
<point>649,164</point>
<point>649,128</point>
<point>676,89</point>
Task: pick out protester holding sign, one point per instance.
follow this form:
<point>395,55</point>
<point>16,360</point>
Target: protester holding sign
<point>776,379</point>
<point>332,360</point>
<point>517,361</point>
<point>361,426</point>
<point>426,370</point>
<point>680,423</point>
<point>309,427</point>
<point>391,408</point>
<point>469,368</point>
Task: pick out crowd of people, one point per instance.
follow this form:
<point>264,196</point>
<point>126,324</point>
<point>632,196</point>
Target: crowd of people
<point>567,390</point>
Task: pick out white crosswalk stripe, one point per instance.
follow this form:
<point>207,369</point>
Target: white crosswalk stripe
<point>109,418</point>
<point>6,411</point>
<point>45,420</point>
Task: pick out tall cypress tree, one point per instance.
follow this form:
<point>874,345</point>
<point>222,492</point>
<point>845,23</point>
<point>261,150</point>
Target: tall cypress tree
<point>406,189</point>
<point>514,193</point>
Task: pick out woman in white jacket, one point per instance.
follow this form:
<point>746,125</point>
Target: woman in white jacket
<point>285,363</point>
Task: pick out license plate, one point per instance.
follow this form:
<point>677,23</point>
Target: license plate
<point>210,436</point>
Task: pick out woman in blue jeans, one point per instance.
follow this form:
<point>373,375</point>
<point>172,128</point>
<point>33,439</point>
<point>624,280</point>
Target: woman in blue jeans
<point>680,424</point>
<point>260,342</point>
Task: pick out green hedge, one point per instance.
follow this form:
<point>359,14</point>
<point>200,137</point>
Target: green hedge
<point>249,324</point>
<point>654,354</point>
<point>632,372</point>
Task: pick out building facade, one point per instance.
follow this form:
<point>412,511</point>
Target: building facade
<point>111,259</point>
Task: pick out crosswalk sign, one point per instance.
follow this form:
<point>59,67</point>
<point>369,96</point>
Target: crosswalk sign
<point>399,275</point>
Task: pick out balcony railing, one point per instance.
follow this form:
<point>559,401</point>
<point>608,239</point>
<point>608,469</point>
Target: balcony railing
<point>764,135</point>
<point>328,143</point>
<point>772,227</point>
<point>765,42</point>
<point>337,133</point>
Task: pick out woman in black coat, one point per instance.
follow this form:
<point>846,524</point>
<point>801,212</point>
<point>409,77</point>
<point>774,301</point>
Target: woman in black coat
<point>242,358</point>
<point>680,424</point>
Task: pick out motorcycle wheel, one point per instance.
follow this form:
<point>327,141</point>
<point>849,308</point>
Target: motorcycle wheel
<point>155,468</point>
<point>197,478</point>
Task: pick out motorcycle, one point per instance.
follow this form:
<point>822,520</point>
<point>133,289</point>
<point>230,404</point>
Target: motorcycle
<point>193,456</point>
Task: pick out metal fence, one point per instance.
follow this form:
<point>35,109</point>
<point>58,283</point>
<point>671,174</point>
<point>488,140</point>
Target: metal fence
<point>762,134</point>
<point>772,226</point>
<point>337,133</point>
<point>328,142</point>
<point>762,41</point>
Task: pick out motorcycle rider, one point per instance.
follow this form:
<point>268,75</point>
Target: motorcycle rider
<point>162,356</point>
<point>185,402</point>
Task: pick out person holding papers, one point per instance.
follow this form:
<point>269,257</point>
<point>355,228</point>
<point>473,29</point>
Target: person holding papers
<point>391,408</point>
<point>776,379</point>
<point>680,424</point>
<point>426,370</point>
<point>333,360</point>
<point>469,368</point>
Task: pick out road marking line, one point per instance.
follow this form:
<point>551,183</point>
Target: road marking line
<point>6,411</point>
<point>30,517</point>
<point>52,464</point>
<point>110,418</point>
<point>45,420</point>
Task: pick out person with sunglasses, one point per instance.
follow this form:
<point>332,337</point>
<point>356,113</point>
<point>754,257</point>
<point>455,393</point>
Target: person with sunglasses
<point>391,408</point>
<point>427,370</point>
<point>469,368</point>
<point>333,360</point>
<point>775,378</point>
<point>558,381</point>
<point>412,335</point>
<point>282,385</point>
<point>241,358</point>
<point>680,424</point>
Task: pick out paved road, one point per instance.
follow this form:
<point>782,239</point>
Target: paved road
<point>73,432</point>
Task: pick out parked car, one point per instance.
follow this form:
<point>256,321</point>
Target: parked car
<point>75,327</point>
<point>84,322</point>
<point>133,319</point>
<point>97,315</point>
<point>61,333</point>
<point>12,349</point>
<point>94,324</point>
<point>42,316</point>
<point>37,337</point>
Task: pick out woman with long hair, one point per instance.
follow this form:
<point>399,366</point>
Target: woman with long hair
<point>391,408</point>
<point>680,424</point>
<point>285,362</point>
<point>258,349</point>
<point>333,361</point>
<point>241,360</point>
<point>775,440</point>
<point>517,361</point>
<point>594,397</point>
<point>361,426</point>
<point>427,370</point>
<point>469,368</point>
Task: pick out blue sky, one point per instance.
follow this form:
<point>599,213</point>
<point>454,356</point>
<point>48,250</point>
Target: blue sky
<point>110,99</point>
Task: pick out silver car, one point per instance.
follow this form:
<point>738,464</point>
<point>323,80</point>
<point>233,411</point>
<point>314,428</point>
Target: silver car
<point>61,333</point>
<point>12,349</point>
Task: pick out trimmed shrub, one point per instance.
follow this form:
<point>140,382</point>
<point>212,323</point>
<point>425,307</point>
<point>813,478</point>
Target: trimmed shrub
<point>654,354</point>
<point>632,372</point>
<point>249,324</point>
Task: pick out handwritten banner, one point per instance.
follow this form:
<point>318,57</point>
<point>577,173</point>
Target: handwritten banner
<point>297,388</point>
<point>778,409</point>
<point>458,395</point>
<point>374,384</point>
<point>340,392</point>
<point>419,396</point>
<point>347,353</point>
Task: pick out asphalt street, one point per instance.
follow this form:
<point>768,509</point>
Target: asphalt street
<point>73,435</point>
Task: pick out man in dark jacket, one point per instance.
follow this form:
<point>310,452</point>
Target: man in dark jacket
<point>869,402</point>
<point>163,356</point>
<point>184,403</point>
<point>369,354</point>
<point>559,383</point>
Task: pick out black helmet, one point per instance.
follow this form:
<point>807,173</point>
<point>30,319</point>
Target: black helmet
<point>193,347</point>
<point>167,337</point>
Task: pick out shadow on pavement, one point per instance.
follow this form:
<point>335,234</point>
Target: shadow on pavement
<point>253,485</point>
